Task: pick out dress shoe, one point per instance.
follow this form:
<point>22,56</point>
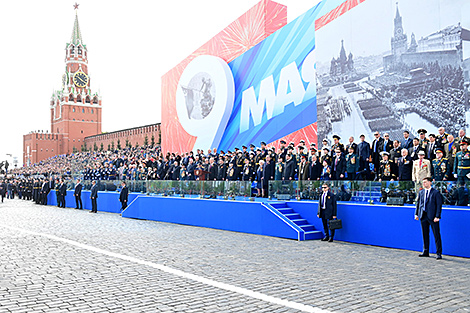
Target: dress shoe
<point>91,212</point>
<point>424,254</point>
<point>439,257</point>
<point>325,239</point>
<point>330,240</point>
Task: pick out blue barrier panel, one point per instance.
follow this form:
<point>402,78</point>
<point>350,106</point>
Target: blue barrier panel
<point>247,217</point>
<point>393,226</point>
<point>108,201</point>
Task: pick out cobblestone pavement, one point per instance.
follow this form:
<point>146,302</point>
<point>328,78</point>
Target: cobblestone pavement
<point>41,274</point>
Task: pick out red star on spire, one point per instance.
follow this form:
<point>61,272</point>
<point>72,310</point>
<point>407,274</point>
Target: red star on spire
<point>75,6</point>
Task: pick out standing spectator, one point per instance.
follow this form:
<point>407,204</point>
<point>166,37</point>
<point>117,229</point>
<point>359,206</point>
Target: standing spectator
<point>94,197</point>
<point>289,169</point>
<point>386,169</point>
<point>3,189</point>
<point>351,144</point>
<point>123,196</point>
<point>364,154</point>
<point>428,210</point>
<point>407,141</point>
<point>327,210</point>
<point>421,169</point>
<point>462,162</point>
<point>377,147</point>
<point>440,167</point>
<point>352,164</point>
<point>303,169</point>
<point>442,137</point>
<point>268,174</point>
<point>395,153</point>
<point>413,151</point>
<point>405,166</point>
<point>387,144</point>
<point>431,147</point>
<point>259,178</point>
<point>315,168</point>
<point>450,149</point>
<point>326,171</point>
<point>78,195</point>
<point>279,169</point>
<point>338,166</point>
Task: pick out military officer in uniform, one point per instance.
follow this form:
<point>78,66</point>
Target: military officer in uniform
<point>462,162</point>
<point>442,137</point>
<point>386,171</point>
<point>423,141</point>
<point>421,170</point>
<point>336,145</point>
<point>440,167</point>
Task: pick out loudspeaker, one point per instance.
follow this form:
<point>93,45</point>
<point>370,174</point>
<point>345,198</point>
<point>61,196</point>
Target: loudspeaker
<point>395,201</point>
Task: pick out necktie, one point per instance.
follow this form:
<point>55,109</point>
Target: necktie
<point>385,146</point>
<point>426,199</point>
<point>420,161</point>
<point>323,200</point>
<point>430,150</point>
<point>375,145</point>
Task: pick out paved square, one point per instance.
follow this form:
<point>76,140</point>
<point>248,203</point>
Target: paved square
<point>60,260</point>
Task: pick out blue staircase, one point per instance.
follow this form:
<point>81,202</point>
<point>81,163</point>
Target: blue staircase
<point>309,231</point>
<point>370,192</point>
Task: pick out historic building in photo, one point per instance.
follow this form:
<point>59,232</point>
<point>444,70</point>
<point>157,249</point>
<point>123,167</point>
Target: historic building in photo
<point>75,108</point>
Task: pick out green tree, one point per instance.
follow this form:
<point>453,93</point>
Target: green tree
<point>118,144</point>
<point>102,147</point>
<point>127,143</point>
<point>152,141</point>
<point>136,144</point>
<point>112,145</point>
<point>146,140</point>
<point>109,147</point>
<point>159,138</point>
<point>75,150</point>
<point>95,147</point>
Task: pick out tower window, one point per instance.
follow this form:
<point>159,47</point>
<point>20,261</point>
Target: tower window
<point>73,110</point>
<point>72,49</point>
<point>83,110</point>
<point>91,111</point>
<point>80,50</point>
<point>87,100</point>
<point>82,131</point>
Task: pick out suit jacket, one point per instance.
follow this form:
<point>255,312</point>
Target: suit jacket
<point>353,145</point>
<point>432,206</point>
<point>315,170</point>
<point>387,146</point>
<point>78,190</point>
<point>413,153</point>
<point>63,189</point>
<point>430,154</point>
<point>407,143</point>
<point>94,191</point>
<point>419,173</point>
<point>268,171</point>
<point>364,151</point>
<point>213,171</point>
<point>123,195</point>
<point>379,147</point>
<point>339,169</point>
<point>289,170</point>
<point>405,168</point>
<point>330,206</point>
<point>304,171</point>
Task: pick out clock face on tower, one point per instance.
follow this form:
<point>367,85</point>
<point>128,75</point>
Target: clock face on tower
<point>399,31</point>
<point>80,79</point>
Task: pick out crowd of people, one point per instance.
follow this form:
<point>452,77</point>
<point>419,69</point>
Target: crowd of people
<point>441,156</point>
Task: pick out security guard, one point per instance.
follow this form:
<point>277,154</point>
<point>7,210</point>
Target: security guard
<point>440,167</point>
<point>462,162</point>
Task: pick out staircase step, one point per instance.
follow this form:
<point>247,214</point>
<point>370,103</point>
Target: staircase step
<point>293,216</point>
<point>286,211</point>
<point>307,228</point>
<point>300,221</point>
<point>313,235</point>
<point>278,205</point>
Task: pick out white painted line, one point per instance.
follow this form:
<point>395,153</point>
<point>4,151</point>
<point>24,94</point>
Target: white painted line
<point>166,269</point>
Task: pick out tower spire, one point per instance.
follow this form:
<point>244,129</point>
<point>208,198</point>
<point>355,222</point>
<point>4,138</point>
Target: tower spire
<point>397,15</point>
<point>76,33</point>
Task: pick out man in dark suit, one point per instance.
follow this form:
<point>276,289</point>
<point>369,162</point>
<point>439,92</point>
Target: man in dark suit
<point>338,166</point>
<point>431,148</point>
<point>377,147</point>
<point>289,169</point>
<point>351,144</point>
<point>428,210</point>
<point>387,144</point>
<point>94,197</point>
<point>415,148</point>
<point>315,168</point>
<point>78,195</point>
<point>364,153</point>
<point>407,141</point>
<point>123,196</point>
<point>62,193</point>
<point>44,192</point>
<point>212,169</point>
<point>327,210</point>
<point>405,166</point>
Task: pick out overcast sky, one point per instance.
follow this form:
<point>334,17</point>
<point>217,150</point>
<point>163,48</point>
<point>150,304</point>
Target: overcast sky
<point>131,44</point>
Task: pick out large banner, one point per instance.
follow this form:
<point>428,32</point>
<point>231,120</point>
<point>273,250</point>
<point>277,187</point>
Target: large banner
<point>345,67</point>
<point>390,66</point>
